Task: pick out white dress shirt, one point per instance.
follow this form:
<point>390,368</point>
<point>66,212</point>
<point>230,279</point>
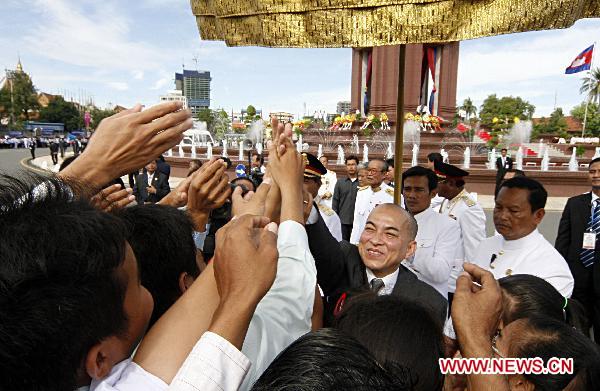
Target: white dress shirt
<point>470,216</point>
<point>532,254</point>
<point>389,282</point>
<point>366,201</point>
<point>437,239</point>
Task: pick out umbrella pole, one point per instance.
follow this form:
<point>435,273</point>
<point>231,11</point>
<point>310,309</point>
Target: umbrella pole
<point>398,158</point>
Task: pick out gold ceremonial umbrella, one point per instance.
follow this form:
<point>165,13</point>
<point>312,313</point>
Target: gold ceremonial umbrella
<point>368,23</point>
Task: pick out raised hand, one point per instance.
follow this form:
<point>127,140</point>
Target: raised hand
<point>252,203</point>
<point>112,198</point>
<point>208,190</point>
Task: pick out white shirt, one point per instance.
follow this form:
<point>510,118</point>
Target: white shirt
<point>150,178</point>
<point>436,202</point>
<point>389,282</point>
<point>437,239</point>
<point>328,182</point>
<point>366,201</point>
<point>532,254</point>
<point>127,375</point>
<point>470,216</point>
<point>331,219</point>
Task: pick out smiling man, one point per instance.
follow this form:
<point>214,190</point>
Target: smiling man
<point>520,248</point>
<point>375,264</point>
<point>580,220</point>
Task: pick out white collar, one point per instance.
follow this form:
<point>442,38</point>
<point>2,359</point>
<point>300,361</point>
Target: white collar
<point>389,280</point>
<point>525,241</point>
<point>594,197</point>
<point>423,214</point>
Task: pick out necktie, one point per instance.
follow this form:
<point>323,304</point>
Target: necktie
<point>587,255</point>
<point>377,284</point>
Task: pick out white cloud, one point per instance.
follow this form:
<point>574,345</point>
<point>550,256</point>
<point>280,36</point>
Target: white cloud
<point>160,83</point>
<point>138,74</point>
<point>118,85</point>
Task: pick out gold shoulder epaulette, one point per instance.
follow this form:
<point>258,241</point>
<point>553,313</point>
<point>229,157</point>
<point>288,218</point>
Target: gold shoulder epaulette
<point>390,191</point>
<point>469,201</point>
<point>327,210</point>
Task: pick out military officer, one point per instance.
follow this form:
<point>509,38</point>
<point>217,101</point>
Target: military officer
<point>328,181</point>
<point>313,172</point>
<point>462,207</point>
<point>369,197</point>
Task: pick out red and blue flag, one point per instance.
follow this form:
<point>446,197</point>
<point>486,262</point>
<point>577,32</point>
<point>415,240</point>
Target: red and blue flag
<point>582,62</point>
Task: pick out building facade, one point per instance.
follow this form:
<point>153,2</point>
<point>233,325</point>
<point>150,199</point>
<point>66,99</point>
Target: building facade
<point>343,107</point>
<point>175,95</point>
<point>195,87</point>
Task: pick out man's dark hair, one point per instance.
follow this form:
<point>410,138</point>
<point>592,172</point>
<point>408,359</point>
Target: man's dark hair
<point>432,180</point>
<point>390,162</point>
<point>435,157</point>
<point>60,290</point>
<point>596,160</point>
<point>537,194</point>
<point>328,359</point>
<point>161,238</point>
<point>227,161</point>
<point>261,159</point>
<point>526,295</point>
<point>504,149</point>
<point>392,329</point>
<point>385,165</point>
<point>548,338</point>
<point>352,157</point>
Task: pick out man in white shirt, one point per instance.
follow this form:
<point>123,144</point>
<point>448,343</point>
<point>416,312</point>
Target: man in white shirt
<point>368,198</point>
<point>438,237</point>
<point>459,205</point>
<point>314,171</point>
<point>431,159</point>
<point>520,248</point>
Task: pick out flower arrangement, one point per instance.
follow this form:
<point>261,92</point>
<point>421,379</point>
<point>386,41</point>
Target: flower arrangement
<point>337,123</point>
<point>300,126</point>
<point>383,119</point>
<point>427,122</point>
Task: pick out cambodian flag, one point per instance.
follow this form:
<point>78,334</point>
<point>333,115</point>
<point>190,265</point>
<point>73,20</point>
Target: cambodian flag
<point>583,62</point>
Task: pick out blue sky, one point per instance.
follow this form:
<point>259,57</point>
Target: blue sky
<point>123,52</point>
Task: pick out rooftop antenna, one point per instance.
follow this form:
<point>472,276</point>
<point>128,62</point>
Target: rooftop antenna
<point>195,59</point>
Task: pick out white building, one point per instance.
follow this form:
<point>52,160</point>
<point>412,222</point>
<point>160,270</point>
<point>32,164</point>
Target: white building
<point>174,95</point>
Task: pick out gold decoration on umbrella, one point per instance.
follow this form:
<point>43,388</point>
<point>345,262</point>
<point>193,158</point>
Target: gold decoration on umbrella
<point>367,23</point>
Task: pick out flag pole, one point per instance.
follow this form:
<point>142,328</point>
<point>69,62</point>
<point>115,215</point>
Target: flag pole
<point>398,158</point>
<point>588,97</point>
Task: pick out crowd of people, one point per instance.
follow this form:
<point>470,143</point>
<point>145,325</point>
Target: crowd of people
<point>287,279</point>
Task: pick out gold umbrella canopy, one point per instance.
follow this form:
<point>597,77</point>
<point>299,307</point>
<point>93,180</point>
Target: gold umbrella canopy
<point>366,23</point>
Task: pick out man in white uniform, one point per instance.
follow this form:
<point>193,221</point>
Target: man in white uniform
<point>368,198</point>
<point>438,237</point>
<point>328,181</point>
<point>431,159</point>
<point>460,206</point>
<point>314,171</point>
<point>520,248</point>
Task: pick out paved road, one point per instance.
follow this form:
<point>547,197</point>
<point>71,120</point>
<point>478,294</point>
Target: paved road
<point>11,163</point>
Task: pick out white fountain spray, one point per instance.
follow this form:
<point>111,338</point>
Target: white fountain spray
<point>193,150</point>
<point>492,160</point>
<point>355,143</point>
<point>340,157</point>
<point>259,148</point>
<point>365,153</point>
<point>520,133</point>
<point>541,148</point>
<point>412,133</point>
<point>444,154</point>
<point>573,164</point>
<point>209,151</point>
<point>241,151</point>
<point>389,153</point>
<point>224,152</point>
<point>597,154</point>
<point>181,154</point>
<point>467,158</point>
<point>299,143</point>
<point>415,155</point>
<point>170,152</point>
<point>545,161</point>
<point>520,158</point>
<point>320,151</point>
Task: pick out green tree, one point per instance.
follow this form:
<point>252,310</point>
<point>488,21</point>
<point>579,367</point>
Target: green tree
<point>98,115</point>
<point>556,125</point>
<point>206,115</point>
<point>592,124</point>
<point>24,96</point>
<point>59,110</point>
<point>505,110</point>
<point>251,111</point>
<point>590,86</point>
<point>469,108</point>
<point>221,124</point>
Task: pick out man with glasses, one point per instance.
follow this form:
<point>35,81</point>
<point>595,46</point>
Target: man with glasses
<point>369,197</point>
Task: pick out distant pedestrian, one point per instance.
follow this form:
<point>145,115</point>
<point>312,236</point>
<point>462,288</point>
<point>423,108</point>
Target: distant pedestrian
<point>62,145</point>
<point>32,147</point>
<point>54,151</point>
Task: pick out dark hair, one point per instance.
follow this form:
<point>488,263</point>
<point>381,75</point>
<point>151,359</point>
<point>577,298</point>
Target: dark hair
<point>385,165</point>
<point>61,291</point>
<point>432,180</point>
<point>435,157</point>
<point>526,295</point>
<point>67,161</point>
<point>352,157</point>
<point>227,161</point>
<point>547,338</point>
<point>537,194</point>
<point>260,157</point>
<point>161,238</point>
<point>516,171</point>
<point>328,359</point>
<point>390,162</point>
<point>393,329</point>
<point>504,149</point>
<point>243,178</point>
<point>596,160</point>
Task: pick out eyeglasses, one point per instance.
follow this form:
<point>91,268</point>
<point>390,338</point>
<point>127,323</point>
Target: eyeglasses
<point>374,170</point>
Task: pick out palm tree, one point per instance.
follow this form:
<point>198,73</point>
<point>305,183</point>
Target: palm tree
<point>591,86</point>
<point>469,108</point>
